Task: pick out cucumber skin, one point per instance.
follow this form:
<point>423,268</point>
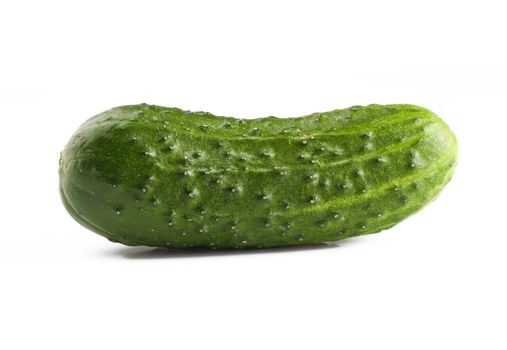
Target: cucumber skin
<point>164,177</point>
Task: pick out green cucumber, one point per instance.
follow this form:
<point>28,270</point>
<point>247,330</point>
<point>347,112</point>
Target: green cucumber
<point>165,177</point>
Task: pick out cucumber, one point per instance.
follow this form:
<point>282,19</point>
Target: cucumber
<point>166,177</point>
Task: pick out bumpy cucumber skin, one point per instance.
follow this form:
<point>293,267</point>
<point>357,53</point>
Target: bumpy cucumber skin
<point>164,177</point>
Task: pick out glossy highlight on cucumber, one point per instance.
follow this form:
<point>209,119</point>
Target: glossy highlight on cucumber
<point>166,177</point>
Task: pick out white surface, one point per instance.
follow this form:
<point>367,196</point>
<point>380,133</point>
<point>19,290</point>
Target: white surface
<point>436,281</point>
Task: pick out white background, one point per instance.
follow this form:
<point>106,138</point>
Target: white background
<point>435,281</point>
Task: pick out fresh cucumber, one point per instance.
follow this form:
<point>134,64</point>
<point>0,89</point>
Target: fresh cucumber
<point>156,176</point>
